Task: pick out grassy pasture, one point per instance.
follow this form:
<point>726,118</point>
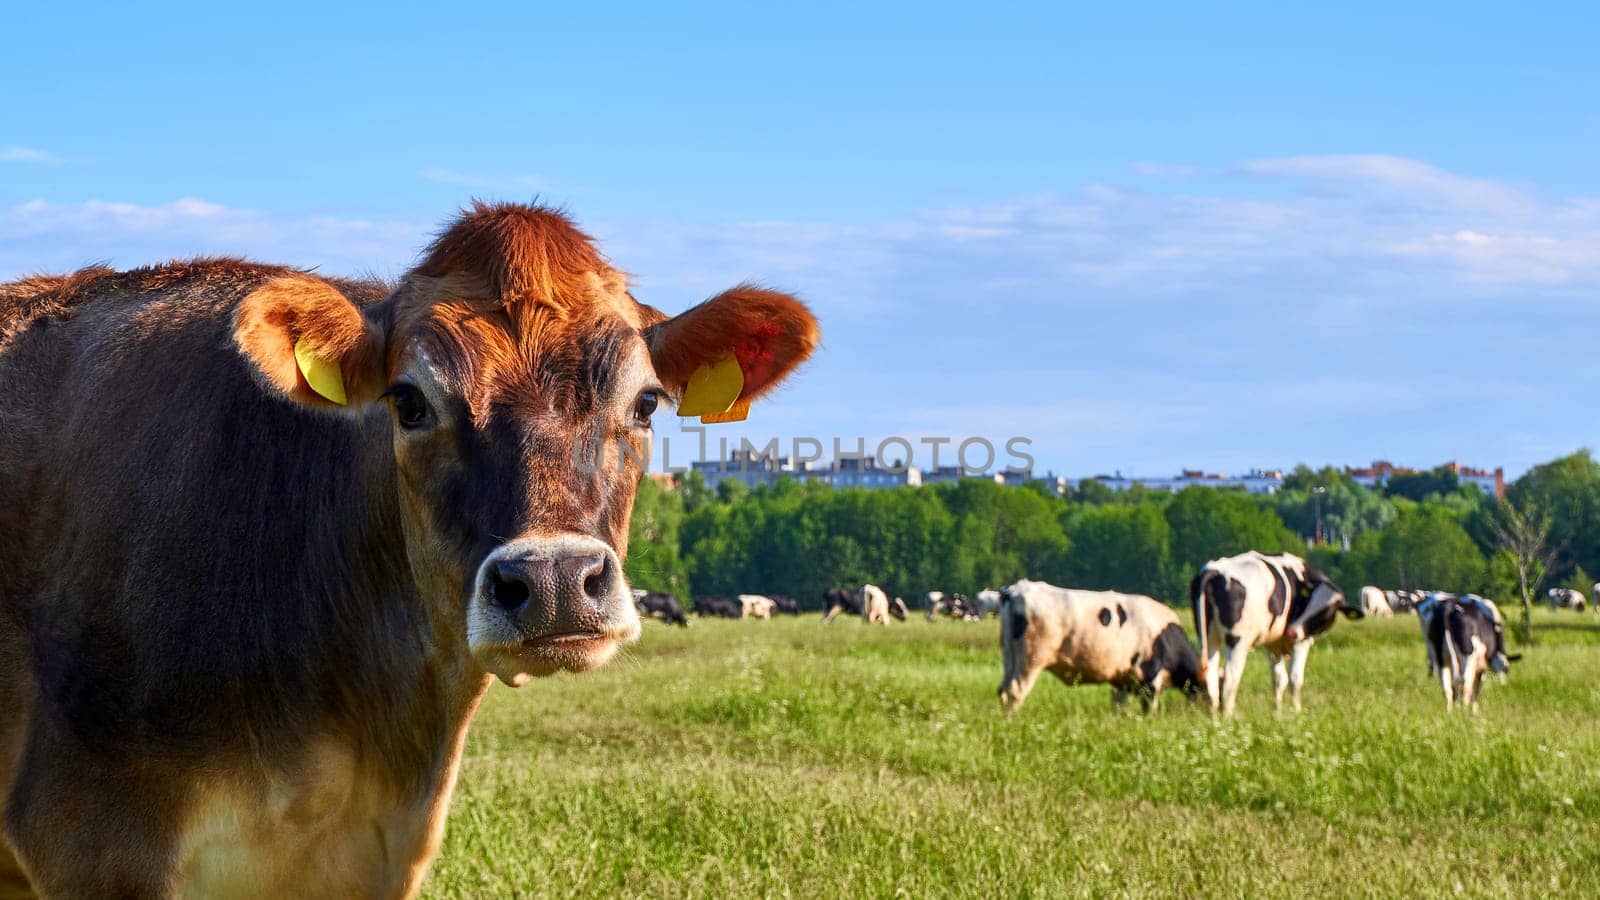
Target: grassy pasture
<point>791,758</point>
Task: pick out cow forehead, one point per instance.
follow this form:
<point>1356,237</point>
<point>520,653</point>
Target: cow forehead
<point>566,353</point>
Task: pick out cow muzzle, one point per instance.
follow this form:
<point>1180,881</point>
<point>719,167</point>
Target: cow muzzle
<point>543,605</point>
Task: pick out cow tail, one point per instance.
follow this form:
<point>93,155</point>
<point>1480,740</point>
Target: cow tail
<point>1197,601</point>
<point>1012,653</point>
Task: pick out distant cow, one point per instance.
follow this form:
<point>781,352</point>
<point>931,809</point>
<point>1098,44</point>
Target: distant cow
<point>722,607</point>
<point>756,606</point>
<point>1566,598</point>
<point>876,606</point>
<point>840,600</point>
<point>956,606</point>
<point>1253,600</point>
<point>1128,641</point>
<point>1404,601</point>
<point>1466,638</point>
<point>986,603</point>
<point>785,604</point>
<point>1375,602</point>
<point>665,607</point>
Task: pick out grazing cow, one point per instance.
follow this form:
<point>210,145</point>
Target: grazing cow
<point>840,600</point>
<point>1129,641</point>
<point>1375,602</point>
<point>956,606</point>
<point>1466,637</point>
<point>756,606</point>
<point>1253,600</point>
<point>986,603</point>
<point>1566,598</point>
<point>721,607</point>
<point>266,537</point>
<point>665,607</point>
<point>876,607</point>
<point>785,604</point>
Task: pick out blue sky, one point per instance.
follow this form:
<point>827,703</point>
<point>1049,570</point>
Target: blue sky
<point>1146,239</point>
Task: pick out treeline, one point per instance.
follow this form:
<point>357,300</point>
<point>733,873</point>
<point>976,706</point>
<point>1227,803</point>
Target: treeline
<point>1425,530</point>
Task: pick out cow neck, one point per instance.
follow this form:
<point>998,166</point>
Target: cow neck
<point>424,687</point>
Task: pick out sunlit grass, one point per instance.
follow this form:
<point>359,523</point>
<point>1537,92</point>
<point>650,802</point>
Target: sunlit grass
<point>796,759</point>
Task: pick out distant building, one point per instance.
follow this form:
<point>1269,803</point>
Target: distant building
<point>1378,474</point>
<point>1256,481</point>
<point>755,469</point>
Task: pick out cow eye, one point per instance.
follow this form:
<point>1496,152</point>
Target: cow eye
<point>410,406</point>
<point>645,407</point>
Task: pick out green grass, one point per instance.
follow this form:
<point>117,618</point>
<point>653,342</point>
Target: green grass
<point>790,758</point>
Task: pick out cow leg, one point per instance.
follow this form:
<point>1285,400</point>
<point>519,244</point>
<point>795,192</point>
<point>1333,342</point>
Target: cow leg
<point>1213,677</point>
<point>832,611</point>
<point>1280,680</point>
<point>1232,674</point>
<point>1297,670</point>
<point>1119,698</point>
<point>1472,675</point>
<point>1447,684</point>
<point>1016,687</point>
<point>1150,693</point>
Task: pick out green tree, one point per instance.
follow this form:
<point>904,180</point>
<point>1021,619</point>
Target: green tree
<point>1568,491</point>
<point>1348,509</point>
<point>1123,548</point>
<point>1427,549</point>
<point>1419,486</point>
<point>654,560</point>
<point>1207,523</point>
<point>1005,534</point>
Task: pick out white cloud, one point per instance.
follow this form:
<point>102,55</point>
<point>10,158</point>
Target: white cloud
<point>1405,315</point>
<point>43,236</point>
<point>19,154</point>
<point>1398,173</point>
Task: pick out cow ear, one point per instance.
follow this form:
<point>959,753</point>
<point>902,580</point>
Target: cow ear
<point>311,343</point>
<point>722,355</point>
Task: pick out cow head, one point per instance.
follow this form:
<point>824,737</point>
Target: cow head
<point>1321,600</point>
<point>515,377</point>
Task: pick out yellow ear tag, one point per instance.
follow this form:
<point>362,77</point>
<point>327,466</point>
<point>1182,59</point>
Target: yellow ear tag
<point>323,375</point>
<point>712,389</point>
<point>737,413</point>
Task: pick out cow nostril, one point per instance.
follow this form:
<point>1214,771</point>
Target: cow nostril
<point>507,593</point>
<point>594,584</point>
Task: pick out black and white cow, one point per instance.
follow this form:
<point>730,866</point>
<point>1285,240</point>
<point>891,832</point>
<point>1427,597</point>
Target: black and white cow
<point>956,606</point>
<point>840,600</point>
<point>665,607</point>
<point>1128,641</point>
<point>986,603</point>
<point>1566,598</point>
<point>786,604</point>
<point>1280,603</point>
<point>1466,638</point>
<point>723,607</point>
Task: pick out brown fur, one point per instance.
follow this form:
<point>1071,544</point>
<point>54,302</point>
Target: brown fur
<point>226,604</point>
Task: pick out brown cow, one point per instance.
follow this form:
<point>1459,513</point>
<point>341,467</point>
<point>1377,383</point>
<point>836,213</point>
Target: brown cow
<point>243,626</point>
